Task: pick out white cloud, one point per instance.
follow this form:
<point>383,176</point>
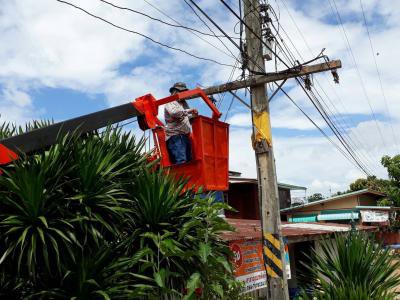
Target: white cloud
<point>18,97</point>
<point>16,106</point>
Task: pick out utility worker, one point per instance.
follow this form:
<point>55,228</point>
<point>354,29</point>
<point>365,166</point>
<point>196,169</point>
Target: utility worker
<point>178,127</point>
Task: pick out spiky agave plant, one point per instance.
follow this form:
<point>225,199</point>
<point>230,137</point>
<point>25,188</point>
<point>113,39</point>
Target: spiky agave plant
<point>181,231</point>
<point>8,129</point>
<point>56,202</point>
<point>59,208</point>
<point>100,273</point>
<point>351,267</point>
<point>98,202</point>
<point>34,233</point>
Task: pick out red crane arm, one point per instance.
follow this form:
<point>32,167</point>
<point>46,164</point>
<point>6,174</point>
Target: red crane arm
<point>148,106</point>
<point>145,108</point>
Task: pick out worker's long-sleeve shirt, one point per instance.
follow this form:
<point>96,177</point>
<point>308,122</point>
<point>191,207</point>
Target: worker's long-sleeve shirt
<point>176,119</point>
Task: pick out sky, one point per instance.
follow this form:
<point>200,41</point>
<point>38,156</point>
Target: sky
<point>58,62</point>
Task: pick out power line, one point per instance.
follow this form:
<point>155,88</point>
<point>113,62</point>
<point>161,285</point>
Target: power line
<point>229,108</point>
<point>316,103</point>
<point>352,155</point>
<point>261,72</point>
<point>339,18</point>
<point>346,125</point>
<point>212,21</point>
<point>322,131</point>
<point>341,127</point>
<point>118,125</point>
<point>192,32</point>
<point>377,71</point>
<point>252,31</point>
<point>143,35</point>
<point>334,128</point>
<point>156,19</point>
<point>209,28</point>
<point>223,95</point>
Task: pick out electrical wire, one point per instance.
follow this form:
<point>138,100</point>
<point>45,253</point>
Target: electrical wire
<point>229,108</point>
<point>223,94</point>
<point>261,72</point>
<point>156,19</point>
<point>192,32</point>
<point>339,18</point>
<point>346,155</point>
<point>315,103</point>
<point>209,28</point>
<point>346,126</point>
<point>143,35</point>
<point>119,125</point>
<point>335,119</point>
<point>254,33</point>
<point>378,72</point>
<point>333,128</point>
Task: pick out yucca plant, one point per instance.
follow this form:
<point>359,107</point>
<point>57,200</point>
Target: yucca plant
<point>98,203</point>
<point>351,267</point>
<point>94,196</point>
<point>33,229</point>
<point>90,218</point>
<point>182,231</point>
<point>158,200</point>
<point>8,129</point>
<point>101,273</point>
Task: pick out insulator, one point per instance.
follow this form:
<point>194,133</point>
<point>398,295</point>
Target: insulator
<point>264,7</point>
<point>307,83</point>
<point>267,53</point>
<point>335,76</point>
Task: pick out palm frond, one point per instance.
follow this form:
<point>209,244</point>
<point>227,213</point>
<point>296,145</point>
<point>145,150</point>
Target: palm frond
<point>353,262</point>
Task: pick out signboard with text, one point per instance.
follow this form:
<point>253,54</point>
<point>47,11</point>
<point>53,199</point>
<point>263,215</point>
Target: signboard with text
<point>248,262</point>
<point>249,265</point>
<point>374,216</point>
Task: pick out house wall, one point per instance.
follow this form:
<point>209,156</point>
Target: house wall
<point>368,200</point>
<point>243,197</point>
<point>284,198</point>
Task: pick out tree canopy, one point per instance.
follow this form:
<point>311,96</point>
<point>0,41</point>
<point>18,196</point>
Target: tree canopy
<point>371,182</point>
<point>392,164</point>
<point>315,197</point>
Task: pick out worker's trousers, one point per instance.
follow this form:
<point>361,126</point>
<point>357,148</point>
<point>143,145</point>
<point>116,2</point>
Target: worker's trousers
<point>179,149</point>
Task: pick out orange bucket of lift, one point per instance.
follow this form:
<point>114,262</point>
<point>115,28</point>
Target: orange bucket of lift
<point>209,142</point>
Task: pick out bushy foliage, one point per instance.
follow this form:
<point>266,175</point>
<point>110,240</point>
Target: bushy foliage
<point>392,164</point>
<point>351,267</point>
<point>315,197</point>
<point>371,182</point>
<point>89,218</point>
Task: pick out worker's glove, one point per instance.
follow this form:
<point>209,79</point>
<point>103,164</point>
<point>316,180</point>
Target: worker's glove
<point>193,111</point>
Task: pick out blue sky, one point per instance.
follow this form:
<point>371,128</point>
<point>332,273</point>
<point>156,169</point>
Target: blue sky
<point>59,63</point>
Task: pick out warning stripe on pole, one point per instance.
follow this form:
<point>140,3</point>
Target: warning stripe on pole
<point>272,255</point>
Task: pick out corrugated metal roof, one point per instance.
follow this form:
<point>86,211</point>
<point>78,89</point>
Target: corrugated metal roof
<point>360,192</point>
<point>250,229</point>
<point>291,186</point>
<point>254,181</point>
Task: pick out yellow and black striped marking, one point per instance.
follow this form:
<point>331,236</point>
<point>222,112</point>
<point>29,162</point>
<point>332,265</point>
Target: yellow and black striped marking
<point>272,255</point>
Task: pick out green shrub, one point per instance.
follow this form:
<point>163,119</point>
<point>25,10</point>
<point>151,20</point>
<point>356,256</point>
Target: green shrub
<point>89,218</point>
<point>351,267</point>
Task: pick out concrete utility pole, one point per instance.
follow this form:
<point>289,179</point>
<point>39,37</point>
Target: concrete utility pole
<point>273,250</point>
